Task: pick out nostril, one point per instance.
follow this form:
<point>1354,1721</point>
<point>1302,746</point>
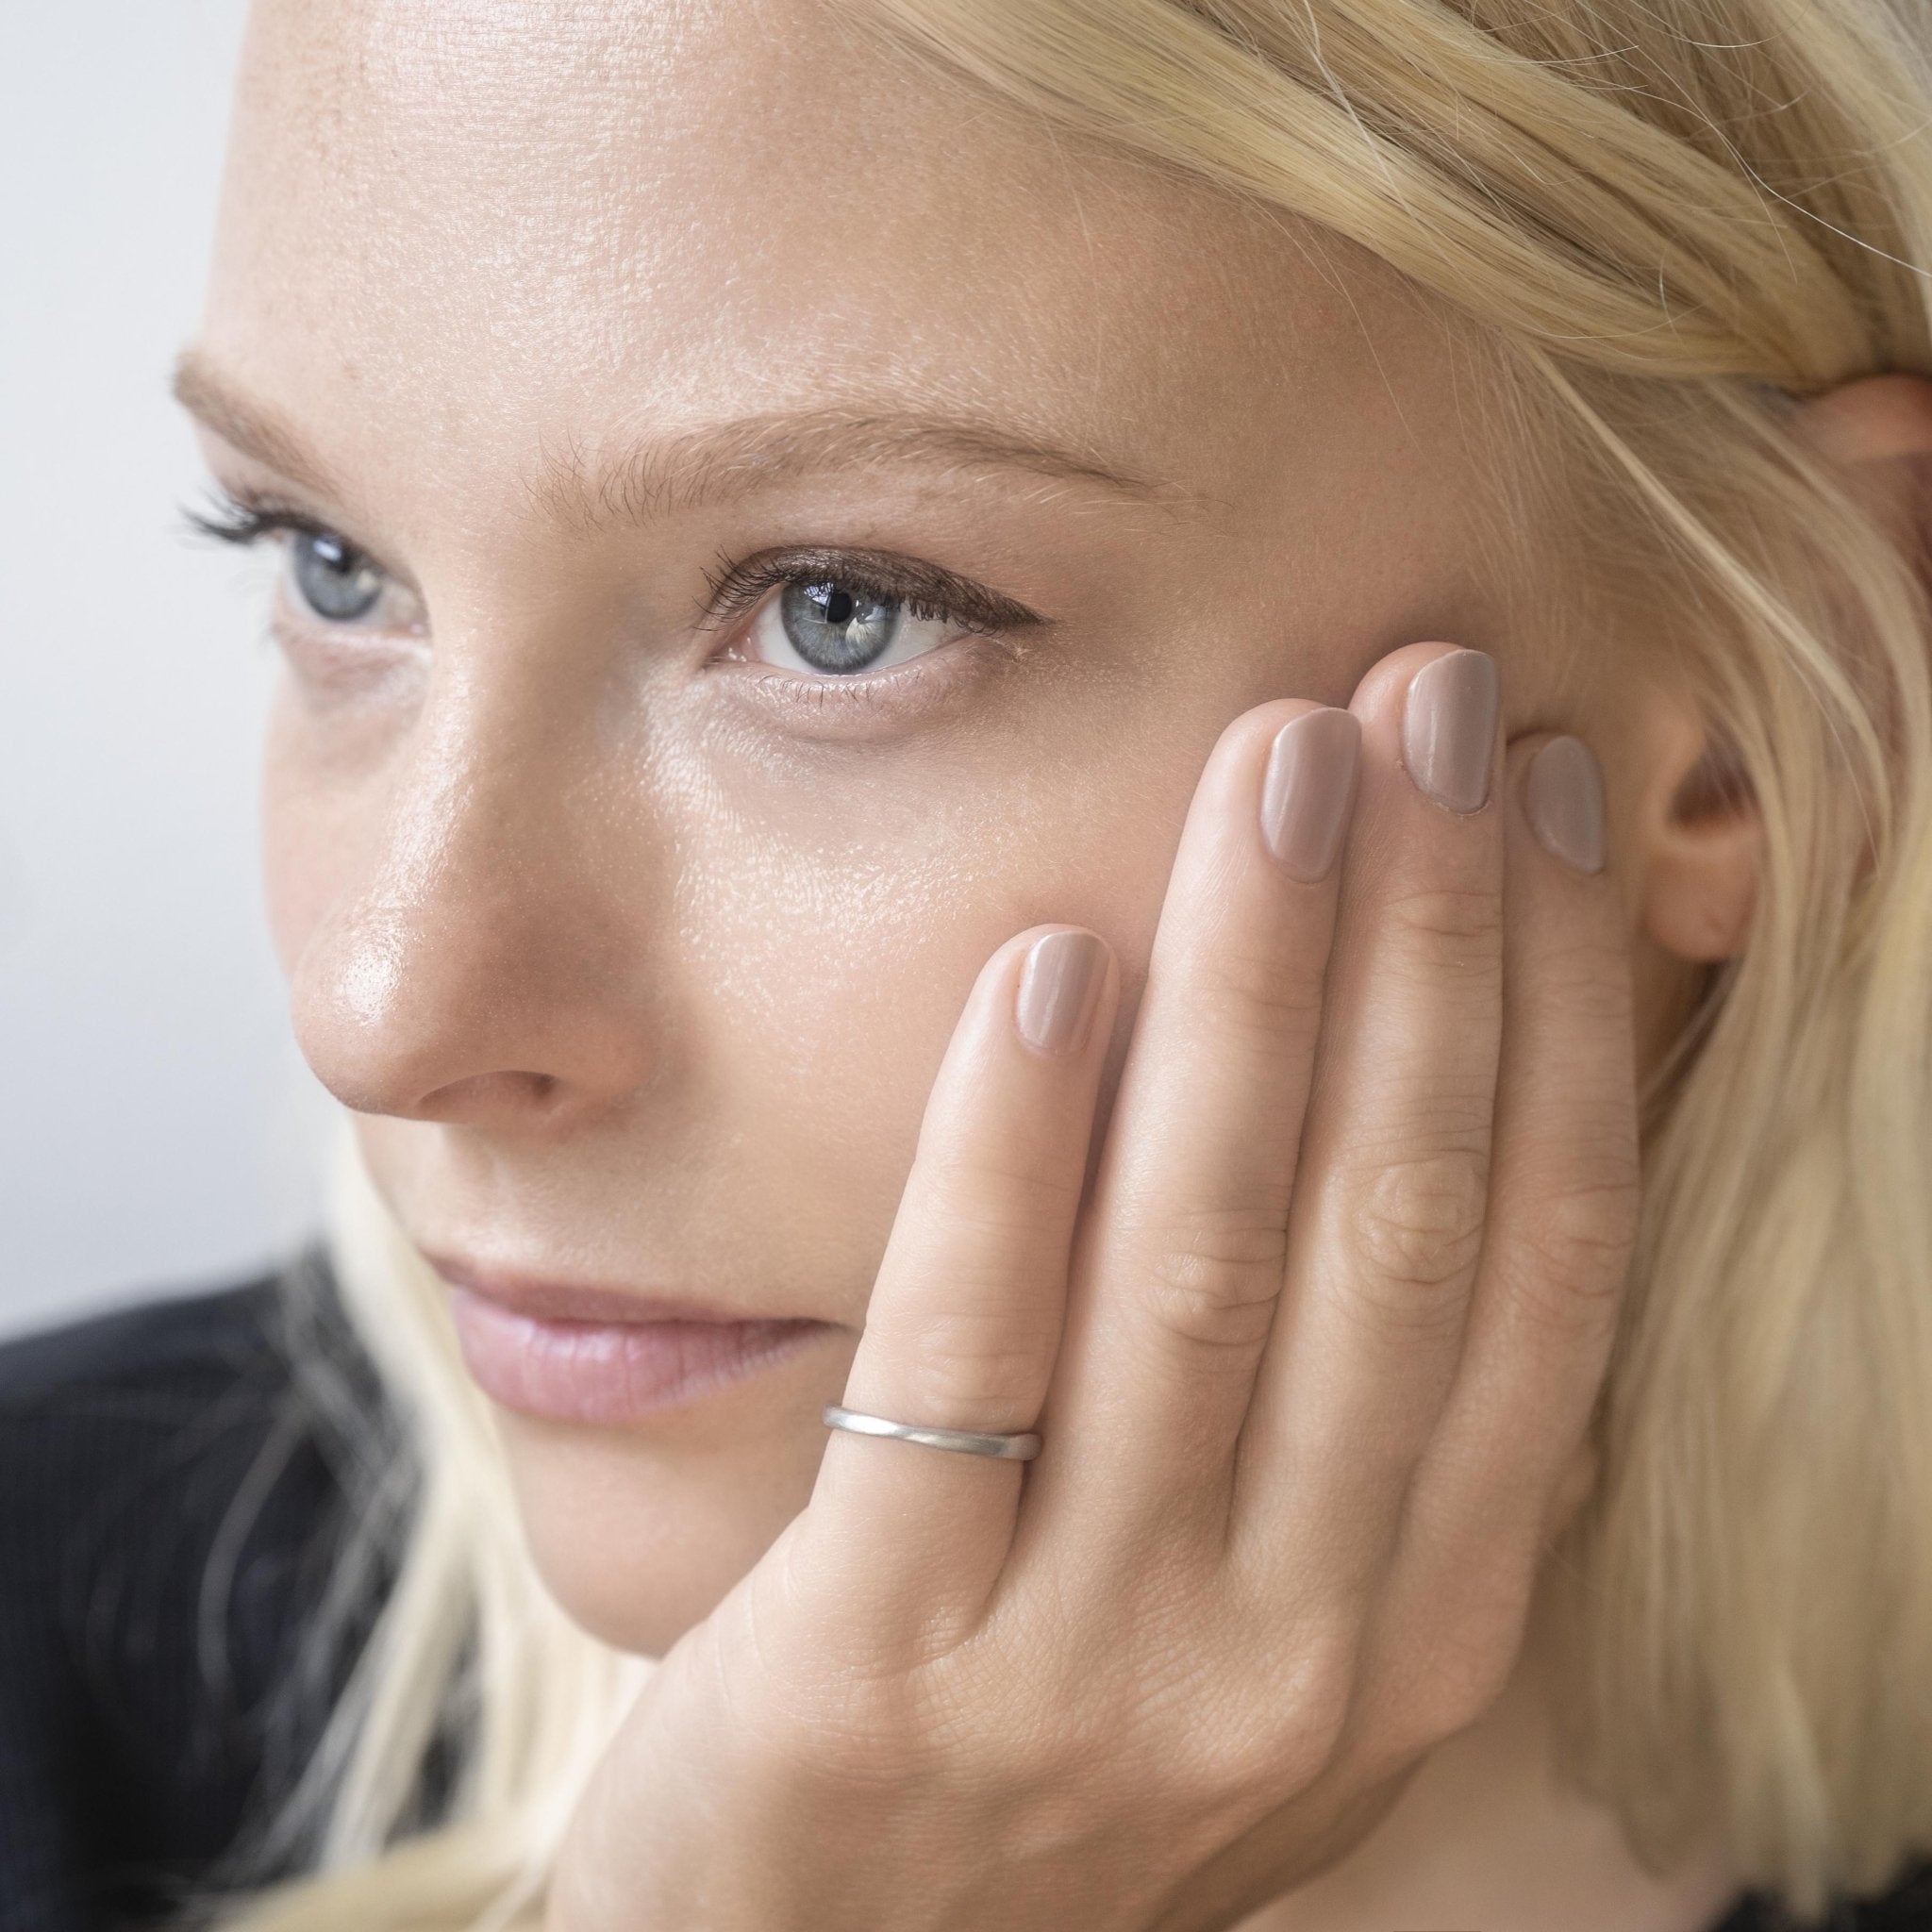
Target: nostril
<point>505,1098</point>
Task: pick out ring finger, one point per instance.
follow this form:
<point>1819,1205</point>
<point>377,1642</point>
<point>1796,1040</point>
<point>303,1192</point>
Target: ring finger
<point>1390,1211</point>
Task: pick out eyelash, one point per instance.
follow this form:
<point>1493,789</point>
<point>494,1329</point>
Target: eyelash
<point>924,588</point>
<point>734,585</point>
<point>242,523</point>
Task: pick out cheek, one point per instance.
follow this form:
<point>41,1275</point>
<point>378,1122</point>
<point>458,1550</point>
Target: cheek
<point>308,834</point>
<point>826,976</point>
<point>837,966</point>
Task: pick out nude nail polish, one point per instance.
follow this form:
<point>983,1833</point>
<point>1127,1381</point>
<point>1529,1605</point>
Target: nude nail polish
<point>1449,728</point>
<point>1060,988</point>
<point>1307,790</point>
<point>1563,800</point>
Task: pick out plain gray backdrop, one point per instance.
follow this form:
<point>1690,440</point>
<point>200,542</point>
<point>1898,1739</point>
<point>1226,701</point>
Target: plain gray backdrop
<point>156,1128</point>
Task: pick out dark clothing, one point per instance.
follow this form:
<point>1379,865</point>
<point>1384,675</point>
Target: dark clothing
<point>1907,1910</point>
<point>177,1487</point>
<point>177,1483</point>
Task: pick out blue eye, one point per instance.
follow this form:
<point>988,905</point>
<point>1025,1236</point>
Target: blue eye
<point>337,582</point>
<point>838,629</point>
<point>834,630</point>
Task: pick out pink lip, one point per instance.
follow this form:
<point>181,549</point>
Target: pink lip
<point>601,1356</point>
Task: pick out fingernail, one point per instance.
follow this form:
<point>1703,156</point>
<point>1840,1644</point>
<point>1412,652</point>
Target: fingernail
<point>1308,789</point>
<point>1059,987</point>
<point>1563,800</point>
<point>1449,728</point>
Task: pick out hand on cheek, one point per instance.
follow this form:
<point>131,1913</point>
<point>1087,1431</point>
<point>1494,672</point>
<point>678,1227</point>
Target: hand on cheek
<point>1310,1362</point>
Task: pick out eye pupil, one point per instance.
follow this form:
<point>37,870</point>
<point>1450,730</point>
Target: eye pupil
<point>333,579</point>
<point>834,628</point>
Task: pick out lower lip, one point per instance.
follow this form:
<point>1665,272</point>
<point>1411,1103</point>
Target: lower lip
<point>604,1373</point>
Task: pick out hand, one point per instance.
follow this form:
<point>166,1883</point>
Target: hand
<point>1312,1361</point>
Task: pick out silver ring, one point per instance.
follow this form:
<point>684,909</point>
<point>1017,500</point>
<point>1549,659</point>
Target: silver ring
<point>1022,1448</point>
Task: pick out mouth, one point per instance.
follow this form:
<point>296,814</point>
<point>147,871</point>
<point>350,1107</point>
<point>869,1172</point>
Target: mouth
<point>601,1356</point>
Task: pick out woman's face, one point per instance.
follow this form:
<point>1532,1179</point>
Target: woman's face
<point>627,895</point>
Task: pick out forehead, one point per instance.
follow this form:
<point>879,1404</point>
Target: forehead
<point>565,214</point>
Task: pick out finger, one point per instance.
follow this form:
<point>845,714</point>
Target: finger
<point>965,1316</point>
<point>1179,1262</point>
<point>1563,1218</point>
<point>1389,1212</point>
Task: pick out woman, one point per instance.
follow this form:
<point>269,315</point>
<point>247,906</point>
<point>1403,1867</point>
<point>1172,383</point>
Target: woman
<point>1113,822</point>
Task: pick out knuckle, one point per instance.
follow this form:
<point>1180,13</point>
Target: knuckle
<point>971,1365</point>
<point>1214,1280</point>
<point>1065,1768</point>
<point>1450,924</point>
<point>1418,1227</point>
<point>1459,1675</point>
<point>1456,1692</point>
<point>1264,1748</point>
<point>1578,1249</point>
<point>987,1188</point>
<point>1584,982</point>
<point>1264,994</point>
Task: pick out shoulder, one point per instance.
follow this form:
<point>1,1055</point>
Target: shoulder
<point>213,1332</point>
<point>125,1437</point>
<point>163,1386</point>
<point>174,1483</point>
<point>105,1410</point>
<point>80,1402</point>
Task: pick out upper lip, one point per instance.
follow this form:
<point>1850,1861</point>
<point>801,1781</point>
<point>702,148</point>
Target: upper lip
<point>574,1301</point>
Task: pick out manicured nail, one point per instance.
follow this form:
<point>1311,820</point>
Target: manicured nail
<point>1059,987</point>
<point>1449,728</point>
<point>1563,799</point>
<point>1308,788</point>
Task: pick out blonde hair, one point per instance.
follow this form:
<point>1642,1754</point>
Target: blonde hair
<point>1671,218</point>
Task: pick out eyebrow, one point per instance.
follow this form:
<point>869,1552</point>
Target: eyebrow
<point>694,467</point>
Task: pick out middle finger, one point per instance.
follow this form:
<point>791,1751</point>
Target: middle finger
<point>1390,1212</point>
<point>1178,1263</point>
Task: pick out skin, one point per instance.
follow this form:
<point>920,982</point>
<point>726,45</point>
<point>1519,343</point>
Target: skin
<point>637,969</point>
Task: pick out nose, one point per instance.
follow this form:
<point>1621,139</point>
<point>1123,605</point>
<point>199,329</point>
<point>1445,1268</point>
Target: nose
<point>482,956</point>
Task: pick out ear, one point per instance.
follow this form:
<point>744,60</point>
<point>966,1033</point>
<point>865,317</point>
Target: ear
<point>1699,831</point>
<point>1877,432</point>
<point>1869,420</point>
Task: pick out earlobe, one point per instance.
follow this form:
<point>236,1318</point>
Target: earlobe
<point>1701,837</point>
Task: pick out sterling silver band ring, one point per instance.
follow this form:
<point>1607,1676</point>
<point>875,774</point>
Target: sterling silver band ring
<point>1021,1448</point>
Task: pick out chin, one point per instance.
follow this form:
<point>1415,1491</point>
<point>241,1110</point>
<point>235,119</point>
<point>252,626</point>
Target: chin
<point>639,1536</point>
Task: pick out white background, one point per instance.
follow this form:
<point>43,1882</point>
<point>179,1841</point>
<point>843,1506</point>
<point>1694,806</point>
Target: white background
<point>156,1128</point>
